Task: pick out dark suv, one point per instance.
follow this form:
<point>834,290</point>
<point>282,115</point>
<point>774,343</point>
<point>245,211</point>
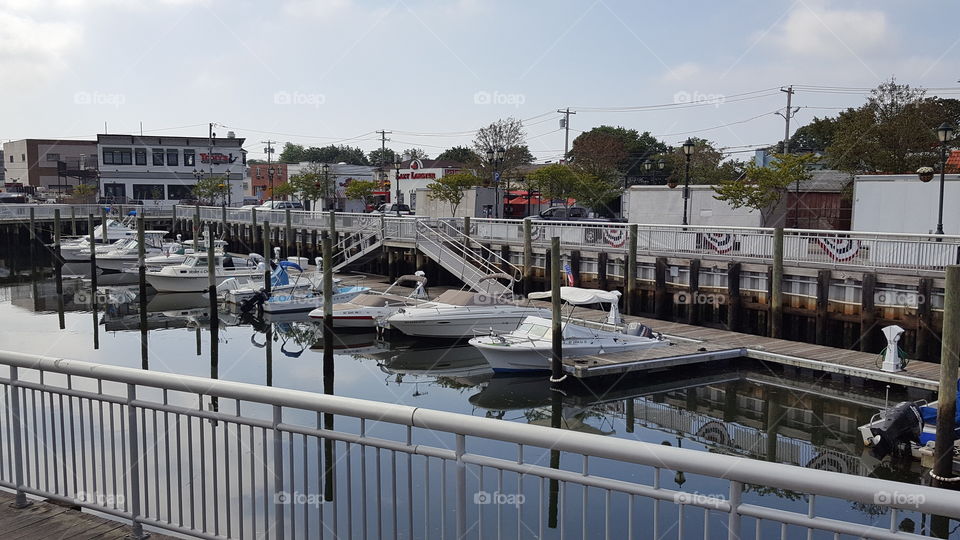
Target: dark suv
<point>569,213</point>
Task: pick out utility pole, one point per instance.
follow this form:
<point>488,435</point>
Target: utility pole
<point>565,123</point>
<point>383,155</point>
<point>788,113</point>
<point>269,152</point>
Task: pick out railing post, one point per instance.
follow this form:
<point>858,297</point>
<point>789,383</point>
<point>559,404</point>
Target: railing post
<point>461,487</point>
<point>21,499</point>
<point>134,466</point>
<point>733,521</point>
<point>278,499</point>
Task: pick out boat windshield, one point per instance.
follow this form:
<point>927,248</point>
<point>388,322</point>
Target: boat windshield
<point>369,300</point>
<point>537,331</point>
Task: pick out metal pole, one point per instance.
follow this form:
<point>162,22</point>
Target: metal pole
<point>21,499</point>
<point>556,363</point>
<point>776,286</point>
<point>134,471</point>
<point>686,189</point>
<point>947,393</point>
<point>943,174</point>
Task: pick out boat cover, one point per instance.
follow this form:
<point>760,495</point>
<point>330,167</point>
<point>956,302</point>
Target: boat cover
<point>579,297</point>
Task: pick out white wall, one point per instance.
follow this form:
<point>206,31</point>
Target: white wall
<point>661,204</point>
<point>431,208</point>
<point>901,203</point>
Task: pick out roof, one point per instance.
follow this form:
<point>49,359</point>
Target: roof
<point>953,162</point>
<point>826,180</point>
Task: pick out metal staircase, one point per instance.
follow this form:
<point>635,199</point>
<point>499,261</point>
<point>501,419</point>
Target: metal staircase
<point>357,245</point>
<point>463,257</point>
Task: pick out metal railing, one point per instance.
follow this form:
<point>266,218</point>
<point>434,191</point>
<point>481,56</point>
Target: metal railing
<point>217,459</point>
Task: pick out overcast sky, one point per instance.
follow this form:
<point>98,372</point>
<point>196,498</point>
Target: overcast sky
<point>316,72</point>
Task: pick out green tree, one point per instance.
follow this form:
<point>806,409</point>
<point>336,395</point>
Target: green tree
<point>508,134</point>
<point>813,137</point>
<point>595,192</point>
<point>556,181</point>
<point>762,188</point>
<point>292,153</point>
<point>361,189</point>
<point>414,153</point>
<point>598,153</point>
<point>295,153</point>
<point>84,193</point>
<point>460,154</point>
<point>388,155</point>
<point>283,190</point>
<point>312,185</point>
<point>638,147</point>
<point>706,165</point>
<point>210,188</point>
<point>452,188</point>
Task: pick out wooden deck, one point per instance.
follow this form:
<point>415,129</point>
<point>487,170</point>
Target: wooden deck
<point>695,344</point>
<point>43,520</point>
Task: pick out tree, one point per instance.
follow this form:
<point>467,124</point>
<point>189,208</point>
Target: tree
<point>295,153</point>
<point>762,188</point>
<point>414,153</point>
<point>292,153</point>
<point>460,154</point>
<point>505,133</point>
<point>706,165</point>
<point>210,188</point>
<point>388,157</point>
<point>361,189</point>
<point>283,190</point>
<point>312,185</point>
<point>595,192</point>
<point>598,153</point>
<point>84,193</point>
<point>452,188</point>
<point>813,137</point>
<point>638,147</point>
<point>555,181</point>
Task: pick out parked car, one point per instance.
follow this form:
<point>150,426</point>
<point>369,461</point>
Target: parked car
<point>281,205</point>
<point>569,213</point>
<point>392,209</point>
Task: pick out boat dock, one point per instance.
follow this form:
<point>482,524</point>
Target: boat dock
<point>698,344</point>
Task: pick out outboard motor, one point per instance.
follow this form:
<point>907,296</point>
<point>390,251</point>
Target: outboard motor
<point>255,301</point>
<point>898,426</point>
<point>639,330</point>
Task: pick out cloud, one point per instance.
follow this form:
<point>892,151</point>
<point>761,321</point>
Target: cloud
<point>313,8</point>
<point>682,72</point>
<point>34,47</point>
<point>817,30</point>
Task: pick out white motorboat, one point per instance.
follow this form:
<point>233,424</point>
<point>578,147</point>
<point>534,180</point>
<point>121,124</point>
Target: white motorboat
<point>79,250</point>
<point>300,301</point>
<point>366,309</point>
<point>530,346</point>
<point>459,314</point>
<point>192,276</point>
<point>237,290</point>
<point>116,230</point>
<point>116,259</point>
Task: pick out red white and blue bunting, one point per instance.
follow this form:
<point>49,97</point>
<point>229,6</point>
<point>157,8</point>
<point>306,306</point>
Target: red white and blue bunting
<point>840,249</point>
<point>720,242</point>
<point>615,236</point>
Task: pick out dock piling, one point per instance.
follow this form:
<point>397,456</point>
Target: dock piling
<point>266,256</point>
<point>776,286</point>
<point>942,472</point>
<point>556,363</point>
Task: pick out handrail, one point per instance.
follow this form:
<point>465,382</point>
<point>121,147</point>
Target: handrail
<point>923,499</point>
<point>466,240</point>
<point>446,242</point>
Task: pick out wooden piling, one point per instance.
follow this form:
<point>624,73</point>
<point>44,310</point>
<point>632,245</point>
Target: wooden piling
<point>694,307</point>
<point>527,257</point>
<point>776,286</point>
<point>823,303</point>
<point>630,276</point>
<point>868,312</point>
<point>734,301</point>
<point>602,281</point>
<point>661,298</point>
<point>556,360</point>
<point>266,255</point>
<point>947,393</point>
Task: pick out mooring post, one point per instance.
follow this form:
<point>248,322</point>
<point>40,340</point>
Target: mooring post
<point>33,227</point>
<point>630,277</point>
<point>103,225</point>
<point>556,364</point>
<point>734,302</point>
<point>73,221</point>
<point>327,300</point>
<point>174,226</point>
<point>527,256</point>
<point>333,228</point>
<point>661,296</point>
<point>776,286</point>
<point>924,319</point>
<point>947,393</point>
<point>196,229</point>
<point>823,303</point>
<point>93,257</point>
<point>142,281</point>
<point>694,307</point>
<point>287,233</point>
<point>868,310</point>
<point>56,232</point>
<point>266,256</point>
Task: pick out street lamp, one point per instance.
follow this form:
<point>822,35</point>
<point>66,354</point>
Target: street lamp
<point>198,176</point>
<point>688,146</point>
<point>945,135</point>
<point>325,168</point>
<point>396,178</point>
<point>495,158</point>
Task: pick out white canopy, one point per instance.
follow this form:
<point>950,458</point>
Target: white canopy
<point>579,297</point>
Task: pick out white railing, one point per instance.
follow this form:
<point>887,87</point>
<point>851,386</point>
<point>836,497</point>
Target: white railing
<point>21,212</point>
<point>216,459</point>
<point>840,249</point>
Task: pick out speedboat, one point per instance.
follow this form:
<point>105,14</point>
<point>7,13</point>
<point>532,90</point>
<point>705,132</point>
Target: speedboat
<point>366,309</point>
<point>300,300</point>
<point>908,429</point>
<point>530,348</point>
<point>180,250</point>
<point>116,259</point>
<point>192,276</point>
<point>116,230</point>
<point>79,250</point>
<point>459,314</point>
<point>237,290</point>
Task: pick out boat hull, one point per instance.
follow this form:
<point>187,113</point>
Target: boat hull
<point>537,356</point>
<point>164,282</point>
<point>458,324</point>
<point>297,302</point>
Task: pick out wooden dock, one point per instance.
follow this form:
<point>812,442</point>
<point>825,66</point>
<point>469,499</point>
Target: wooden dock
<point>697,344</point>
<point>53,521</point>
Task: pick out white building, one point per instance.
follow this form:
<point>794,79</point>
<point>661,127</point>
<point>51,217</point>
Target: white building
<point>663,205</point>
<point>416,175</point>
<point>163,170</point>
<point>901,203</point>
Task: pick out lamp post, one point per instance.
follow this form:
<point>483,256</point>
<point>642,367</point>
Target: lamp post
<point>198,175</point>
<point>325,169</point>
<point>688,152</point>
<point>945,135</point>
<point>396,179</point>
<point>495,158</point>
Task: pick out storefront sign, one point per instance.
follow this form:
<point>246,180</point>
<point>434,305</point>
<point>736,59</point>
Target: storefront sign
<point>217,158</point>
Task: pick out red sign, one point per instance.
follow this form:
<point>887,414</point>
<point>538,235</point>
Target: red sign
<point>418,176</point>
<point>215,158</point>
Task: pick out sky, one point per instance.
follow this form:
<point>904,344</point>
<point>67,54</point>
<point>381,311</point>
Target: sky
<point>432,72</point>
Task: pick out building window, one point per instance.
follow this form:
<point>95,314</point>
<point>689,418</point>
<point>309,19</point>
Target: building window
<point>158,157</point>
<point>189,158</point>
<point>141,155</point>
<point>173,157</point>
<point>117,156</point>
<point>53,157</point>
<point>114,191</point>
<point>179,192</point>
<point>23,157</point>
<point>148,191</point>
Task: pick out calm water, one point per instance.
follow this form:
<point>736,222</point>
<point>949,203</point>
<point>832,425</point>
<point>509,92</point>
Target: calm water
<point>746,409</point>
